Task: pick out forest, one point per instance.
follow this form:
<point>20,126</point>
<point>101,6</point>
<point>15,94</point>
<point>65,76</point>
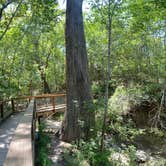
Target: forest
<point>109,58</point>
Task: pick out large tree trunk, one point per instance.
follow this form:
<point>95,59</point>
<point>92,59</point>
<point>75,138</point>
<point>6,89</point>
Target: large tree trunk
<point>78,117</point>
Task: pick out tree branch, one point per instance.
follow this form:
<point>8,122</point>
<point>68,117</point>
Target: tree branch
<point>47,59</point>
<point>10,21</point>
<point>4,6</point>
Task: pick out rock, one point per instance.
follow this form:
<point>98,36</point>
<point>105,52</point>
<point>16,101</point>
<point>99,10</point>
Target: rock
<point>123,146</point>
<point>141,156</point>
<point>123,159</point>
<point>65,145</point>
<point>154,161</point>
<point>84,163</point>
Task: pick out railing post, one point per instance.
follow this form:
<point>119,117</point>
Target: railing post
<point>2,111</point>
<point>53,102</point>
<point>65,99</point>
<point>13,108</point>
<point>34,119</point>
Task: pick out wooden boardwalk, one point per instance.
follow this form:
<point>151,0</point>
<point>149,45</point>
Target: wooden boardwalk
<point>7,129</point>
<point>21,149</point>
<point>50,110</point>
<point>18,131</point>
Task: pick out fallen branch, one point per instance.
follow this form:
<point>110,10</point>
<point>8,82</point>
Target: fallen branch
<point>156,120</point>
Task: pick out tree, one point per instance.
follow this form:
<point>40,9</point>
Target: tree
<point>24,67</point>
<point>4,6</point>
<point>78,118</point>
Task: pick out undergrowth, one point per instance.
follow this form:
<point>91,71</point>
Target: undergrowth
<point>43,148</point>
<point>121,129</point>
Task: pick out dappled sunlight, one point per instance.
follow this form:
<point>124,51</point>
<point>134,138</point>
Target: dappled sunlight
<point>88,72</point>
<point>7,129</point>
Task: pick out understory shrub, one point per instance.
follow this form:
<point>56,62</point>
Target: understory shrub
<point>125,98</point>
<point>86,154</point>
<point>121,129</point>
<point>144,104</point>
<point>42,148</point>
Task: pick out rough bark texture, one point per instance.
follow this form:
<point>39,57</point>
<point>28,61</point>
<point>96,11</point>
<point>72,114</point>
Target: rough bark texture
<point>78,118</point>
<point>46,87</point>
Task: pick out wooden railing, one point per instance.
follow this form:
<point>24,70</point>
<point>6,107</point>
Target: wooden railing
<point>9,106</point>
<point>50,100</point>
<point>22,147</point>
<point>6,105</point>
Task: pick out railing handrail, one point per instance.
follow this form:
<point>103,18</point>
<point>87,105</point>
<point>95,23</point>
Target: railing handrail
<point>35,96</point>
<point>52,97</point>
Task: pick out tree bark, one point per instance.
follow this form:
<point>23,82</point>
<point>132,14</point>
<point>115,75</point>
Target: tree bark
<point>42,66</point>
<point>108,74</point>
<point>46,87</point>
<point>78,118</point>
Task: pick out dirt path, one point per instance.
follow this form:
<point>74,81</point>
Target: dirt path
<point>56,145</point>
<point>56,151</point>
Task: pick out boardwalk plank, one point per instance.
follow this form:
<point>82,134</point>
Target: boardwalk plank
<point>7,129</point>
<point>21,149</point>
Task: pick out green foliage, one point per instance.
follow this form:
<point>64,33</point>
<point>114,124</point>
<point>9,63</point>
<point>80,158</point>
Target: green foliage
<point>138,49</point>
<point>131,150</point>
<point>40,21</point>
<point>43,146</point>
<point>101,158</point>
<point>125,156</point>
<point>125,98</point>
<point>138,65</point>
<point>87,152</point>
<point>123,130</point>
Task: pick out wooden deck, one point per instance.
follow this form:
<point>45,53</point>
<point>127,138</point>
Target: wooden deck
<point>21,151</point>
<point>7,129</point>
<point>50,110</point>
<point>18,131</point>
